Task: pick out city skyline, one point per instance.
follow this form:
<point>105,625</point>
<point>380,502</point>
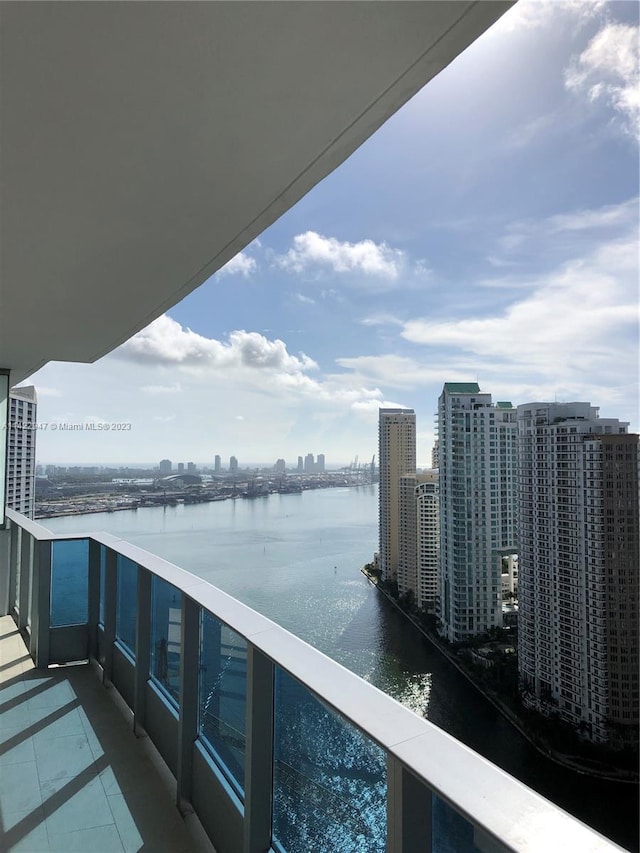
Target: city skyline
<point>483,234</point>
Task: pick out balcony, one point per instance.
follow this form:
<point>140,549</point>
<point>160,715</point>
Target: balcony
<point>268,744</point>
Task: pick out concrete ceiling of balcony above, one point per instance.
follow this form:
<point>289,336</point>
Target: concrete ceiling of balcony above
<point>144,144</point>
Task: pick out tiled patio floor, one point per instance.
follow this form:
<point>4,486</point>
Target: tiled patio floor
<point>73,776</point>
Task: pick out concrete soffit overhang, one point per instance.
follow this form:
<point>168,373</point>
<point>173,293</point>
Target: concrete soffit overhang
<point>144,144</point>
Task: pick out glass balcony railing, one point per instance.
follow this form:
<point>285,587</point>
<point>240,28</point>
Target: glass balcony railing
<point>273,745</point>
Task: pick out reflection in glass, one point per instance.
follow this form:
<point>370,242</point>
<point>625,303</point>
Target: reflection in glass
<point>166,618</point>
<point>330,780</point>
<point>69,582</point>
<point>223,694</point>
<point>127,603</point>
<point>451,833</point>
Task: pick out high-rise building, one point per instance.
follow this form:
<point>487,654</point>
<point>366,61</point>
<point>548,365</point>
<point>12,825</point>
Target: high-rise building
<point>578,568</point>
<point>165,467</point>
<point>309,464</point>
<point>477,480</point>
<point>180,467</point>
<point>428,540</point>
<point>21,450</point>
<point>300,465</point>
<point>280,466</point>
<point>233,465</point>
<point>191,468</point>
<point>320,463</point>
<point>217,464</point>
<point>407,572</point>
<point>397,454</point>
<point>435,463</point>
<point>418,537</point>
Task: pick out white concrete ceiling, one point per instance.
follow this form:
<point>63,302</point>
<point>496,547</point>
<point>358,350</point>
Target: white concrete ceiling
<point>145,144</point>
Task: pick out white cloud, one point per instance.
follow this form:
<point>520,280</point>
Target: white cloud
<point>44,391</point>
<point>574,332</point>
<point>607,70</point>
<point>241,264</point>
<point>572,233</point>
<point>312,250</point>
<point>251,360</point>
<point>162,389</point>
<point>396,371</point>
<point>166,342</point>
<point>382,319</point>
<point>306,300</point>
<point>523,135</point>
<point>371,407</point>
<point>537,14</point>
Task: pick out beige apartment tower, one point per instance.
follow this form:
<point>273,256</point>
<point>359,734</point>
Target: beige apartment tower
<point>397,455</point>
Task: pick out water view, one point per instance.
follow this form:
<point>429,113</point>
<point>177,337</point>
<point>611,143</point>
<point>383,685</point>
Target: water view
<point>297,560</point>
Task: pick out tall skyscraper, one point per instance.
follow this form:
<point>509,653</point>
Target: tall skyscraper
<point>407,571</point>
<point>397,454</point>
<point>191,468</point>
<point>320,463</point>
<point>578,568</point>
<point>180,467</point>
<point>233,465</point>
<point>217,464</point>
<point>309,464</point>
<point>435,450</point>
<point>165,467</point>
<point>419,536</point>
<point>280,466</point>
<point>300,465</point>
<point>428,534</point>
<point>477,456</point>
<point>21,450</point>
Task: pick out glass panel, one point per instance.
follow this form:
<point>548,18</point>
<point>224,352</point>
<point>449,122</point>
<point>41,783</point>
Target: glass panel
<point>223,696</point>
<point>330,780</point>
<point>451,833</point>
<point>166,619</point>
<point>103,563</point>
<point>69,582</point>
<point>127,603</point>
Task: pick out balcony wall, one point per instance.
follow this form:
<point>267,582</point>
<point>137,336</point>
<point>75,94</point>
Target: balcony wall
<point>274,745</point>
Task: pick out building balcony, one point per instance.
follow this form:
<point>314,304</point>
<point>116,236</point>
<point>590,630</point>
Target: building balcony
<point>266,743</point>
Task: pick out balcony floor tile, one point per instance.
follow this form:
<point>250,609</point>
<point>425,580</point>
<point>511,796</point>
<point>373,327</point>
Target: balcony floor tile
<point>73,776</point>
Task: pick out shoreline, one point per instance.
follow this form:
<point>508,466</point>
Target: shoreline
<point>174,500</point>
<point>559,758</point>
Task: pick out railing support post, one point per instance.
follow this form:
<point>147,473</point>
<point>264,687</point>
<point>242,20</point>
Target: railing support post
<point>189,691</point>
<point>143,647</point>
<point>14,565</point>
<point>41,608</point>
<point>26,557</point>
<point>409,827</point>
<point>110,594</point>
<point>5,568</point>
<point>258,787</point>
<point>94,597</point>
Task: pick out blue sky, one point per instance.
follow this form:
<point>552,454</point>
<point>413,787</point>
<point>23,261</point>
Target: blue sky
<point>488,232</point>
